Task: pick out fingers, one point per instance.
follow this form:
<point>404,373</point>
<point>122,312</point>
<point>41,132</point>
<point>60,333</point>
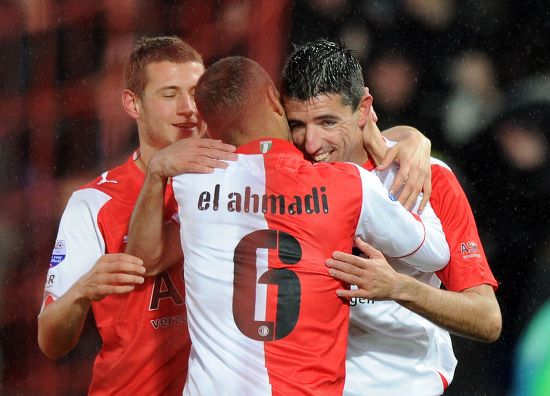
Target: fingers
<point>120,257</point>
<point>350,293</point>
<point>346,267</point>
<point>120,263</point>
<point>409,182</point>
<point>105,290</point>
<point>217,144</point>
<point>367,250</point>
<point>216,149</point>
<point>427,188</point>
<point>343,276</point>
<point>208,155</point>
<point>205,163</point>
<point>400,179</point>
<point>113,274</point>
<point>411,190</point>
<point>124,278</point>
<point>390,156</point>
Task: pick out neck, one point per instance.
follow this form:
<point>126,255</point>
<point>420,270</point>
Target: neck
<point>373,143</point>
<point>145,153</point>
<point>273,127</point>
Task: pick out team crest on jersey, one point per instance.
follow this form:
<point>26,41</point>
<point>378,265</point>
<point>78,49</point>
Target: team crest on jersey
<point>265,146</point>
<point>469,249</point>
<point>58,253</point>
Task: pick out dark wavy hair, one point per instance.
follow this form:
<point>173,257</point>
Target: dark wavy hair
<point>323,67</point>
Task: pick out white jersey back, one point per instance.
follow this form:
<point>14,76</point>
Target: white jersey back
<point>263,313</point>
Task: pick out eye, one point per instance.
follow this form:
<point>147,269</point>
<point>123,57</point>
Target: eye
<point>295,126</point>
<point>169,93</point>
<point>328,123</point>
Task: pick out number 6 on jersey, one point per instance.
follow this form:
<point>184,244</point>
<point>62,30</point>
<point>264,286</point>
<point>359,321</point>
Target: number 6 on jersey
<point>244,285</point>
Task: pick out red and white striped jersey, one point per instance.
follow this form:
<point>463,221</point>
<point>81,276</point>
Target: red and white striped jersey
<point>145,339</point>
<point>264,317</point>
<point>393,351</point>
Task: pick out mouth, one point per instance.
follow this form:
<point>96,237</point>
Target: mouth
<point>189,127</point>
<point>323,157</point>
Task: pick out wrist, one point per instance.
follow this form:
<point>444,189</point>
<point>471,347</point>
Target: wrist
<point>404,288</point>
<point>77,294</point>
<point>155,168</point>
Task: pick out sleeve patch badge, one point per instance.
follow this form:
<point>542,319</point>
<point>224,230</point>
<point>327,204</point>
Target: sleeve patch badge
<point>58,253</point>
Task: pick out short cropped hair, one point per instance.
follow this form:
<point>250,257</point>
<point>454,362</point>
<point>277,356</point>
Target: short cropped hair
<point>323,67</point>
<point>155,49</point>
<point>228,89</point>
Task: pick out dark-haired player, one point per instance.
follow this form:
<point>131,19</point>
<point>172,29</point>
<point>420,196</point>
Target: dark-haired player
<point>399,343</point>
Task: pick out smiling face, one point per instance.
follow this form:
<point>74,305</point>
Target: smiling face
<point>325,129</point>
<point>166,110</point>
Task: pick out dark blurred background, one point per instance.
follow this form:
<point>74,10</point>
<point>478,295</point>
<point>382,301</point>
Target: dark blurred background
<point>473,76</point>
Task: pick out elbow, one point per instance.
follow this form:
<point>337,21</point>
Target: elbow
<point>151,260</point>
<point>50,354</point>
<point>49,341</point>
<point>493,327</point>
<point>47,349</point>
<point>152,269</point>
<point>493,319</point>
<point>153,264</point>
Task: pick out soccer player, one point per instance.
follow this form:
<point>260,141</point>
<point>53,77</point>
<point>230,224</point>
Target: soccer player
<point>142,320</point>
<point>264,317</point>
<point>398,342</point>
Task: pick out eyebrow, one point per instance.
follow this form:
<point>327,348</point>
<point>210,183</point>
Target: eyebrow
<point>327,116</point>
<point>171,87</point>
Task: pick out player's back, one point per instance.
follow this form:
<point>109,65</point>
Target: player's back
<point>264,316</point>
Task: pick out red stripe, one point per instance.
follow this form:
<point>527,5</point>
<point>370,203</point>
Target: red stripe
<point>310,360</point>
<point>423,239</point>
<point>444,380</point>
<point>49,299</point>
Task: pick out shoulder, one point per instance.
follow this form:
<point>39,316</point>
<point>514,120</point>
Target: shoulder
<point>344,169</point>
<point>122,184</point>
<point>440,166</point>
<point>444,179</point>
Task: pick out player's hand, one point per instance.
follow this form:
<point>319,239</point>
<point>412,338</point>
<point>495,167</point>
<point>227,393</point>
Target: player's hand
<point>415,173</point>
<point>192,155</point>
<point>116,273</point>
<point>374,277</point>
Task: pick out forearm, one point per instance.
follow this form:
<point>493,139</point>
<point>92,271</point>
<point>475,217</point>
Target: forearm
<point>401,132</point>
<point>473,313</point>
<point>146,231</point>
<point>60,324</point>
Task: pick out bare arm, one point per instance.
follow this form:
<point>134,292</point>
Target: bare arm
<point>60,323</point>
<point>152,239</point>
<point>412,152</point>
<point>148,234</point>
<point>473,313</point>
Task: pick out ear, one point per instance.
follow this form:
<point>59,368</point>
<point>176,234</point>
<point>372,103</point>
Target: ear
<point>366,110</point>
<point>274,100</point>
<point>131,104</point>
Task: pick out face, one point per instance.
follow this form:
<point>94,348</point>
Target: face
<point>167,111</point>
<point>325,129</point>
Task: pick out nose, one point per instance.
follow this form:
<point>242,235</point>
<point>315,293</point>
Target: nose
<point>186,105</point>
<point>313,141</point>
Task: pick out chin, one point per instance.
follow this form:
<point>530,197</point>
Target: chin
<point>186,135</point>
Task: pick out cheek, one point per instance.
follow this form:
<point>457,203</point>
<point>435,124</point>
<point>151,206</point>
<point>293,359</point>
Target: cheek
<point>298,139</point>
<point>339,138</point>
